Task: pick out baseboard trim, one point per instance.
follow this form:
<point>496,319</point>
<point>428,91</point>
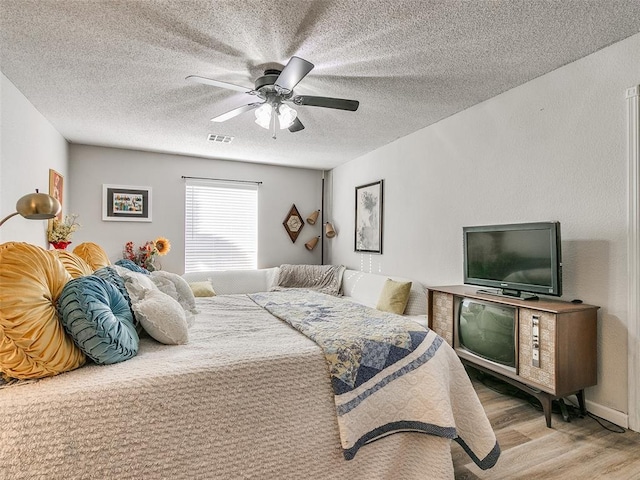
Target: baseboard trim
<point>609,414</point>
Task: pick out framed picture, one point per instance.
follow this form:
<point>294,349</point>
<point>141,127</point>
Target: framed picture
<point>293,223</point>
<point>125,203</point>
<point>368,235</point>
<point>56,189</point>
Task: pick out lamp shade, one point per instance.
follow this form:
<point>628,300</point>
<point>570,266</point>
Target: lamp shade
<point>263,115</point>
<point>329,231</point>
<point>36,206</point>
<point>311,244</point>
<point>313,218</point>
<point>286,115</point>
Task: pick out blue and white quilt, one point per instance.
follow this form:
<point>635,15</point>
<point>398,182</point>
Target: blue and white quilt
<point>389,374</point>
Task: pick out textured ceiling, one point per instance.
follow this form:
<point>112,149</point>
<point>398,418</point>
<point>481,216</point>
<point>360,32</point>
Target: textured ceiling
<point>113,72</point>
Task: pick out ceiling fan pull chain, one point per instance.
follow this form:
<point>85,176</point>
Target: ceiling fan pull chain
<point>274,123</point>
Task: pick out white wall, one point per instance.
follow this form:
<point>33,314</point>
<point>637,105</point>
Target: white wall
<point>552,149</point>
<point>90,167</point>
<point>29,147</point>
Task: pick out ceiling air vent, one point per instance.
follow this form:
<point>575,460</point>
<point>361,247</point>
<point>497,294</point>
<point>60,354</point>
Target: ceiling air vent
<point>220,138</point>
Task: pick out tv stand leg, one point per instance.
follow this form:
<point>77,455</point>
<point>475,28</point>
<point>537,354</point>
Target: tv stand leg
<point>581,403</point>
<point>564,411</point>
<point>546,408</point>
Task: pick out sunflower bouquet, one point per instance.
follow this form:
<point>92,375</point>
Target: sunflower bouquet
<point>145,255</point>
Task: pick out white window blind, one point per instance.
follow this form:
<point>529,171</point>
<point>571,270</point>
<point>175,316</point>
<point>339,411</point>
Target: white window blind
<point>221,225</point>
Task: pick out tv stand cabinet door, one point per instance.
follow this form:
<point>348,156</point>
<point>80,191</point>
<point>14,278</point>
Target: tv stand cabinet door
<point>545,374</point>
<point>442,312</point>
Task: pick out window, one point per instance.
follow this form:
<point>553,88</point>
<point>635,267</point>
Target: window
<point>221,225</point>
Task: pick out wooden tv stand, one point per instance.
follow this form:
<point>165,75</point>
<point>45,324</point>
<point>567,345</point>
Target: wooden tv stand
<point>567,343</point>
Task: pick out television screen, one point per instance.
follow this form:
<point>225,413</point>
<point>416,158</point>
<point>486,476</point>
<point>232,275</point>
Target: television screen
<point>488,330</point>
<point>517,257</point>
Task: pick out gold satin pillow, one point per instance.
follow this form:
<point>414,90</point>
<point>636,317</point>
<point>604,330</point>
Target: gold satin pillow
<point>93,254</point>
<point>33,343</point>
<point>394,296</point>
<point>73,264</point>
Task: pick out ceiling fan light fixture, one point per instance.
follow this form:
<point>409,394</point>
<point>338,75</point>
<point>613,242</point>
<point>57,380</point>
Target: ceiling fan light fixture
<point>263,115</point>
<point>286,115</point>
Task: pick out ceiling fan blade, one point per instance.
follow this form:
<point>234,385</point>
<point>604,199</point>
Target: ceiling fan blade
<point>292,73</point>
<point>327,102</point>
<point>216,83</point>
<point>235,112</point>
<point>296,126</point>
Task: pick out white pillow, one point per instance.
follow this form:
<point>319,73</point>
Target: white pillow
<point>137,284</point>
<point>165,286</point>
<point>184,294</point>
<point>120,270</point>
<point>162,317</point>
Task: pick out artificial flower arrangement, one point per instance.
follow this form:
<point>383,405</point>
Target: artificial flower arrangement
<point>145,255</point>
<point>61,230</point>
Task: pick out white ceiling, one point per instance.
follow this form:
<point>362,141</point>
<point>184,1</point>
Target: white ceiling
<point>113,72</point>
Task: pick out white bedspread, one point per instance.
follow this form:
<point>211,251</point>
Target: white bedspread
<point>247,398</point>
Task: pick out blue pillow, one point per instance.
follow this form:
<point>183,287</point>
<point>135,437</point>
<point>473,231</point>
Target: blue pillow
<point>126,263</point>
<point>110,275</point>
<point>98,318</point>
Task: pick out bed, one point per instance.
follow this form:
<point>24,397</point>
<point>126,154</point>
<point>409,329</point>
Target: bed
<point>247,397</point>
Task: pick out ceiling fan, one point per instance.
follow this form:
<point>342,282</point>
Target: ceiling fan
<point>275,90</point>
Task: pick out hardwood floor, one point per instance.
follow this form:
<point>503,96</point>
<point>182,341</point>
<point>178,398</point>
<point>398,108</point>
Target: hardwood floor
<point>579,449</point>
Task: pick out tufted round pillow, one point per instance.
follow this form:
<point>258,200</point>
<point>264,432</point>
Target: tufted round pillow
<point>33,343</point>
<point>99,319</point>
<point>73,264</point>
<point>126,263</point>
<point>110,275</point>
<point>93,254</point>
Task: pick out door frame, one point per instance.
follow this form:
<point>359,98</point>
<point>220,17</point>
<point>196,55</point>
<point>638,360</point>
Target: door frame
<point>633,243</point>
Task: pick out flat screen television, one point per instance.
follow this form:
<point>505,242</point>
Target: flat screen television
<point>518,260</point>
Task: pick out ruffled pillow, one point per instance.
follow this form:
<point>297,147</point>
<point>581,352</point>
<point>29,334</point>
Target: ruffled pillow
<point>177,288</point>
<point>33,343</point>
<point>98,318</point>
<point>93,254</point>
<point>136,285</point>
<point>162,317</point>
